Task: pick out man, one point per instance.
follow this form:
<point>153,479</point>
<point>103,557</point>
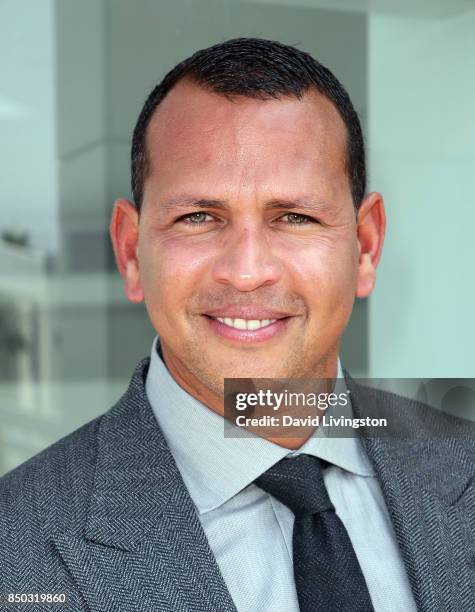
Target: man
<point>249,237</point>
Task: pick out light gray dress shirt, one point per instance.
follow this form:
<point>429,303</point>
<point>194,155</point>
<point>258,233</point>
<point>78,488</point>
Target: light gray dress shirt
<point>249,531</point>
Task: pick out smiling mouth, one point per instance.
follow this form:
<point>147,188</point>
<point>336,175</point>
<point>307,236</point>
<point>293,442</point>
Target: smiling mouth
<point>245,324</point>
<point>238,329</point>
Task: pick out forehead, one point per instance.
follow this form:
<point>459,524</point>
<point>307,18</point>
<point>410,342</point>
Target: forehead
<point>194,128</point>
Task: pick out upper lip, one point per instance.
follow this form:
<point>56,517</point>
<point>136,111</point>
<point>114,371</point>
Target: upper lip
<point>248,312</point>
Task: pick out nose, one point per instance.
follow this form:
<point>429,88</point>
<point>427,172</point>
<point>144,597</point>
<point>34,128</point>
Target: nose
<point>246,261</point>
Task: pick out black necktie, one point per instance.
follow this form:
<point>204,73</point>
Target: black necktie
<point>327,574</point>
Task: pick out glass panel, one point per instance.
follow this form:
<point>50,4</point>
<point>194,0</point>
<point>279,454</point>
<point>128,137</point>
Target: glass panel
<point>69,340</point>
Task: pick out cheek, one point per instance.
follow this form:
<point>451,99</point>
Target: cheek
<point>324,268</point>
<point>324,274</point>
<point>170,271</point>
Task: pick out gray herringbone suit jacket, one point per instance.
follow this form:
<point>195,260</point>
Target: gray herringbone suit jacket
<point>104,516</point>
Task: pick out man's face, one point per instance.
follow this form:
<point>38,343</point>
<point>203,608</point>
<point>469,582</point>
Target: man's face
<point>248,215</point>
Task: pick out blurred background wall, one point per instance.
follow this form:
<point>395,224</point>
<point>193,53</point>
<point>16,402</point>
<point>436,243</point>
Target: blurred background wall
<point>74,77</point>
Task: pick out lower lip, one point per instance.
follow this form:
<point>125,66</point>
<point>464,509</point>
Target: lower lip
<point>248,335</point>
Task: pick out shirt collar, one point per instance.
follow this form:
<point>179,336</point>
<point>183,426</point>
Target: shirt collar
<point>214,467</point>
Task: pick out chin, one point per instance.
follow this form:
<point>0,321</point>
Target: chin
<point>250,370</point>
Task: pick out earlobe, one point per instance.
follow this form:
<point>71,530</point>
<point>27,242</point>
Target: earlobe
<point>124,235</point>
<point>371,226</point>
<point>132,285</point>
<point>366,276</point>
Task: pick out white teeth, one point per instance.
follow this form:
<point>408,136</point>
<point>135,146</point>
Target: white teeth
<point>239,324</point>
<point>251,324</point>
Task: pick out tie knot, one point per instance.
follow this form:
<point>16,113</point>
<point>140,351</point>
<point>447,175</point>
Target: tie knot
<point>297,482</point>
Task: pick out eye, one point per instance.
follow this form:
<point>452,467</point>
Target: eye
<point>298,219</point>
<point>196,218</point>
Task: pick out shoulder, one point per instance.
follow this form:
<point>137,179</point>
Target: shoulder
<point>49,492</point>
<point>407,417</point>
<point>58,480</point>
<point>50,487</point>
<point>428,445</point>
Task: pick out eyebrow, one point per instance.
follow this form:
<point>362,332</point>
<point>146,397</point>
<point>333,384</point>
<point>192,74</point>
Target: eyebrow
<point>186,201</point>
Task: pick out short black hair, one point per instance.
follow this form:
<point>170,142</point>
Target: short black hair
<point>261,69</point>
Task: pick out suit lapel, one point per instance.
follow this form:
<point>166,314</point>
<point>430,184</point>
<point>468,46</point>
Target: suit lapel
<point>431,501</point>
<point>142,546</point>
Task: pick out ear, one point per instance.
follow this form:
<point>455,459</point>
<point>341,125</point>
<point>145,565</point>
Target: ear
<point>370,228</point>
<point>124,233</point>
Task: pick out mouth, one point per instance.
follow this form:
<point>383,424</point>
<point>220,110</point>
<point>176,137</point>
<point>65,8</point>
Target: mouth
<point>247,330</point>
